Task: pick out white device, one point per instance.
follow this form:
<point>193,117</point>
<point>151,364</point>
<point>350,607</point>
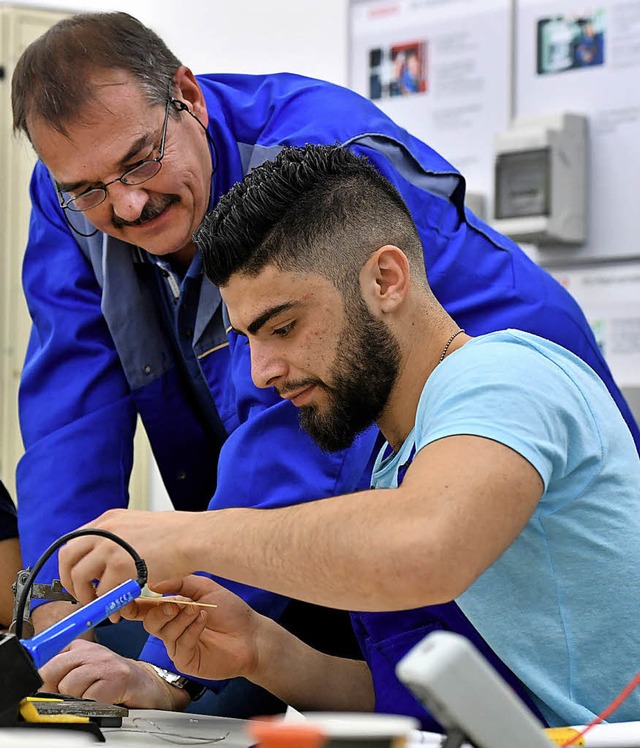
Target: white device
<point>469,699</point>
<point>476,203</point>
<point>541,179</point>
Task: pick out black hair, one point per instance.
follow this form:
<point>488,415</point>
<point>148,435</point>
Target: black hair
<point>315,208</point>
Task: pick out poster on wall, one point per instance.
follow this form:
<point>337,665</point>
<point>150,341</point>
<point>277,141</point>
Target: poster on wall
<point>582,57</point>
<point>439,69</point>
<point>609,295</point>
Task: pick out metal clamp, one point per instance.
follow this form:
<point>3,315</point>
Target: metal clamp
<point>53,591</point>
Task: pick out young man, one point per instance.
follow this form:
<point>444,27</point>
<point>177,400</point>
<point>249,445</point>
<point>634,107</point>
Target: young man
<point>134,149</point>
<point>507,492</point>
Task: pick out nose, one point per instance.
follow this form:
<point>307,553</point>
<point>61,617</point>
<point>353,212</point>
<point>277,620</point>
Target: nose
<point>127,201</point>
<point>266,367</point>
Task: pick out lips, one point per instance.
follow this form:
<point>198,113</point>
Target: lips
<point>299,397</point>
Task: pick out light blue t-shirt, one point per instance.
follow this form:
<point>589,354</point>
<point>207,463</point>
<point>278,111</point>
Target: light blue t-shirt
<point>561,606</point>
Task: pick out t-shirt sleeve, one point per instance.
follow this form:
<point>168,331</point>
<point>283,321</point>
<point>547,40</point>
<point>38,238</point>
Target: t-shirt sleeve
<point>511,394</point>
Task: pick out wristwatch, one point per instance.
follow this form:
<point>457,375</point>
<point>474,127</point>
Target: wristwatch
<point>195,690</point>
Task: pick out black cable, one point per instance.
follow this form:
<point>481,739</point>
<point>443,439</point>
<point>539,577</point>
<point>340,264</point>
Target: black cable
<point>141,567</point>
<point>180,106</point>
<point>73,228</point>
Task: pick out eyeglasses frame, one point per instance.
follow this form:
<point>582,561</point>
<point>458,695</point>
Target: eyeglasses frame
<point>68,204</point>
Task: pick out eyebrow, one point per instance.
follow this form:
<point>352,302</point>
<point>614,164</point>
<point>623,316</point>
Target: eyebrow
<point>135,149</point>
<point>263,318</point>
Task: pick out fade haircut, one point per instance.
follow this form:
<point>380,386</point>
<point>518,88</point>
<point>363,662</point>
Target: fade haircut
<point>317,209</point>
<point>52,80</point>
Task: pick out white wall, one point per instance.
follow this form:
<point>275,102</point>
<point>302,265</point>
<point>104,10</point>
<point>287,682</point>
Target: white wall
<point>244,36</point>
<point>253,36</point>
<point>70,5</point>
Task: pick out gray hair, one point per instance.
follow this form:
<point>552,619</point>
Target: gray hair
<point>52,80</point>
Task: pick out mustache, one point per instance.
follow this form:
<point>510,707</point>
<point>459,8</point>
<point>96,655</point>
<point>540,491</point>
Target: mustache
<point>150,211</point>
<point>301,384</point>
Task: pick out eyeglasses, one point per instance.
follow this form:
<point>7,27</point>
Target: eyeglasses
<point>137,174</point>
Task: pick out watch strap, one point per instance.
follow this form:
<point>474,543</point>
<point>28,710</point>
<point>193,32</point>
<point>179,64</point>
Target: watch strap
<point>194,689</point>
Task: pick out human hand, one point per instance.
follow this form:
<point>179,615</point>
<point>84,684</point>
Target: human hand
<point>211,643</point>
<point>158,537</point>
<point>90,671</point>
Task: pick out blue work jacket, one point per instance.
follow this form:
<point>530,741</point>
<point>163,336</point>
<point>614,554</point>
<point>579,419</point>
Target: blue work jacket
<point>112,339</point>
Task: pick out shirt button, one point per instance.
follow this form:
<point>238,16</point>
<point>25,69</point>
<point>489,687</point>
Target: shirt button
<point>146,369</point>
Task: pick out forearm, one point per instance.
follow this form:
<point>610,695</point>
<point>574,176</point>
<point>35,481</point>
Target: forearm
<point>307,551</point>
<point>373,539</point>
<point>308,679</point>
<point>423,543</point>
<point>49,613</point>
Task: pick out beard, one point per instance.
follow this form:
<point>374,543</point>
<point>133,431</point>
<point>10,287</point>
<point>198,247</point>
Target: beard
<point>362,376</point>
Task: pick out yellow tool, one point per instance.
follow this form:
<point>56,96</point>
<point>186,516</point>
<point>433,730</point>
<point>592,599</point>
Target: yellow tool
<point>562,735</point>
<point>29,712</point>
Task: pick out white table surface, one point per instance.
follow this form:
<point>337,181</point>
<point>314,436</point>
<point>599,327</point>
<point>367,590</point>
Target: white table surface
<point>143,728</point>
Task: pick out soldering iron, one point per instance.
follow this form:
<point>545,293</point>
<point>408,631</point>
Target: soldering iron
<point>21,658</point>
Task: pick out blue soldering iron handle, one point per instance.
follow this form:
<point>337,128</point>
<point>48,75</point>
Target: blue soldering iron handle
<point>49,642</point>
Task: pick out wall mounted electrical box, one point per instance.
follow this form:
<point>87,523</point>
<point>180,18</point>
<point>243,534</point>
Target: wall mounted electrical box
<point>477,204</point>
<point>541,179</point>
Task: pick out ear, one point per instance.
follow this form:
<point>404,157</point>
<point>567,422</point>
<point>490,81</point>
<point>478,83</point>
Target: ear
<point>384,279</point>
<point>190,92</point>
